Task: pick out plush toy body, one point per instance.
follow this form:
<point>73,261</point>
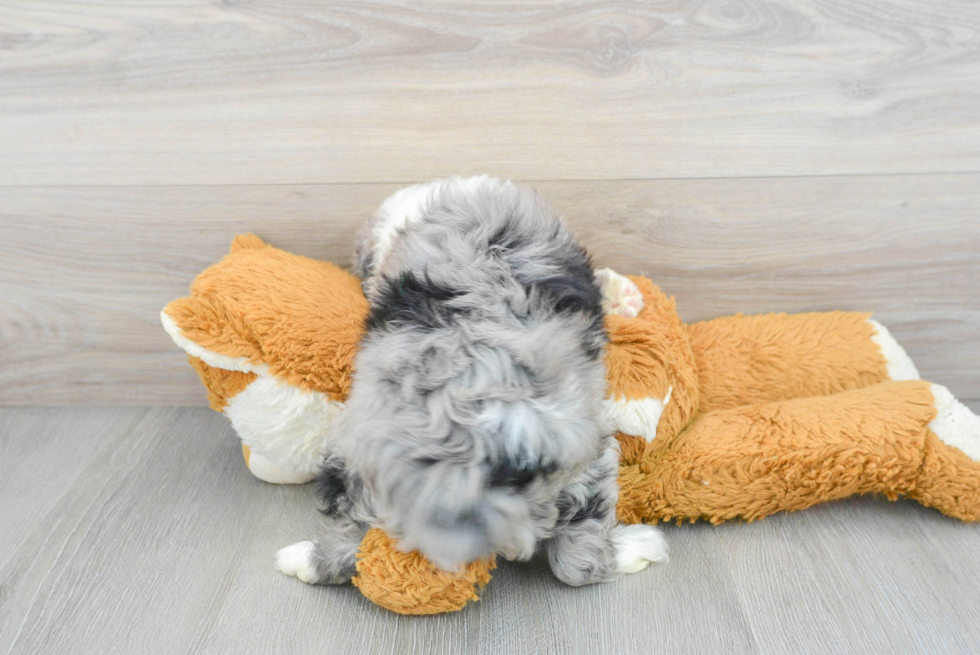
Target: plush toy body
<point>779,412</point>
<point>737,417</point>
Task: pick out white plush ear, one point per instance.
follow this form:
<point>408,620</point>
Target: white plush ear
<point>639,417</point>
<point>209,357</point>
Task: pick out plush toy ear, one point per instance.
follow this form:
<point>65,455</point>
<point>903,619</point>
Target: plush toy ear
<point>407,583</point>
<point>247,242</point>
<point>206,328</point>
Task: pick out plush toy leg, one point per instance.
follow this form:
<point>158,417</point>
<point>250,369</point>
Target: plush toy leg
<point>752,461</point>
<point>752,359</point>
<point>950,476</point>
<point>268,471</point>
<point>407,583</point>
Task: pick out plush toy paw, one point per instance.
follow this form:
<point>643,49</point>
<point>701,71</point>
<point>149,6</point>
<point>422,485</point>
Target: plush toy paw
<point>407,583</point>
<point>619,294</point>
<point>637,546</point>
<point>299,561</point>
<point>268,471</point>
<point>955,424</point>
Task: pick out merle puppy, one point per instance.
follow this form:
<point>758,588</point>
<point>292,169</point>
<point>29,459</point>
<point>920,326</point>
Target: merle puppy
<point>474,425</point>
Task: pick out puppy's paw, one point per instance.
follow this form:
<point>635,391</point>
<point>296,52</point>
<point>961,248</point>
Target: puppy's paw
<point>619,294</point>
<point>299,561</point>
<point>637,546</point>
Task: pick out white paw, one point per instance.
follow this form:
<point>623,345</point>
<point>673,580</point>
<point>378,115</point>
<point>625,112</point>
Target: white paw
<point>619,294</point>
<point>297,561</point>
<point>637,546</point>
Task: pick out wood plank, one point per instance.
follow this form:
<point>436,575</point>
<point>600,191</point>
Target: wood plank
<point>164,543</point>
<point>161,541</point>
<point>690,604</point>
<point>861,575</point>
<point>136,556</point>
<point>85,271</point>
<point>44,450</point>
<point>296,91</point>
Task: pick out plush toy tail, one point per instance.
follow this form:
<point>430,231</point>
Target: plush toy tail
<point>752,461</point>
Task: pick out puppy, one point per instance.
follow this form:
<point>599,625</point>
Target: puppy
<point>474,424</point>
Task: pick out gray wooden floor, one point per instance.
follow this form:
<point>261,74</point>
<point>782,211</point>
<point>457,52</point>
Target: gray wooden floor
<point>129,530</point>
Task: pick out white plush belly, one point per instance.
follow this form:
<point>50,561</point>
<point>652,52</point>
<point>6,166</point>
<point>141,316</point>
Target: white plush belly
<point>283,423</point>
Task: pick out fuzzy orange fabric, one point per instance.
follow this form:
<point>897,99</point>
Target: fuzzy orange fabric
<point>301,317</point>
<point>763,413</point>
<point>947,480</point>
<point>744,360</point>
<point>752,461</point>
<point>651,355</point>
<point>407,583</point>
<point>221,384</point>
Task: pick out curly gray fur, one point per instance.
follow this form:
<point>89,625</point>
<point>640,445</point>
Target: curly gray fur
<point>474,425</point>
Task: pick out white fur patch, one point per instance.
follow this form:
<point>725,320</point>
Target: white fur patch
<point>638,417</point>
<point>400,209</point>
<point>897,361</point>
<point>406,205</point>
<point>619,294</point>
<point>955,424</point>
<point>286,424</point>
<point>217,360</point>
<point>297,561</point>
<point>637,546</point>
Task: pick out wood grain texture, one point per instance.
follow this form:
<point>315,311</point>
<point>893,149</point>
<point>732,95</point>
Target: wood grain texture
<point>297,91</point>
<point>830,572</point>
<point>85,271</point>
<point>44,450</point>
<point>160,541</point>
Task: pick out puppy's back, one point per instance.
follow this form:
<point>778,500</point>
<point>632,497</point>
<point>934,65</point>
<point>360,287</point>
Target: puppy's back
<point>477,389</point>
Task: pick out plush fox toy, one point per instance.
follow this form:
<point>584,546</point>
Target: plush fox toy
<point>737,417</point>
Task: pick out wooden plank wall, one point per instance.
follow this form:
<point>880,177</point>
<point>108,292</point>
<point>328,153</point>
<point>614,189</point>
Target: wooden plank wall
<point>749,155</point>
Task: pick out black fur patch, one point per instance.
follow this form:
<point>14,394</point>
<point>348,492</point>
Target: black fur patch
<point>595,509</point>
<point>506,238</point>
<point>409,300</point>
<point>574,291</point>
<point>333,480</point>
<point>596,338</point>
<point>507,473</point>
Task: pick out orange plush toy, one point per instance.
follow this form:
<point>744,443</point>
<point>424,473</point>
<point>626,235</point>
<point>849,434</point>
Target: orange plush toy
<point>737,417</point>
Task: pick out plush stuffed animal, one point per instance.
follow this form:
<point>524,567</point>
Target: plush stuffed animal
<point>737,417</point>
